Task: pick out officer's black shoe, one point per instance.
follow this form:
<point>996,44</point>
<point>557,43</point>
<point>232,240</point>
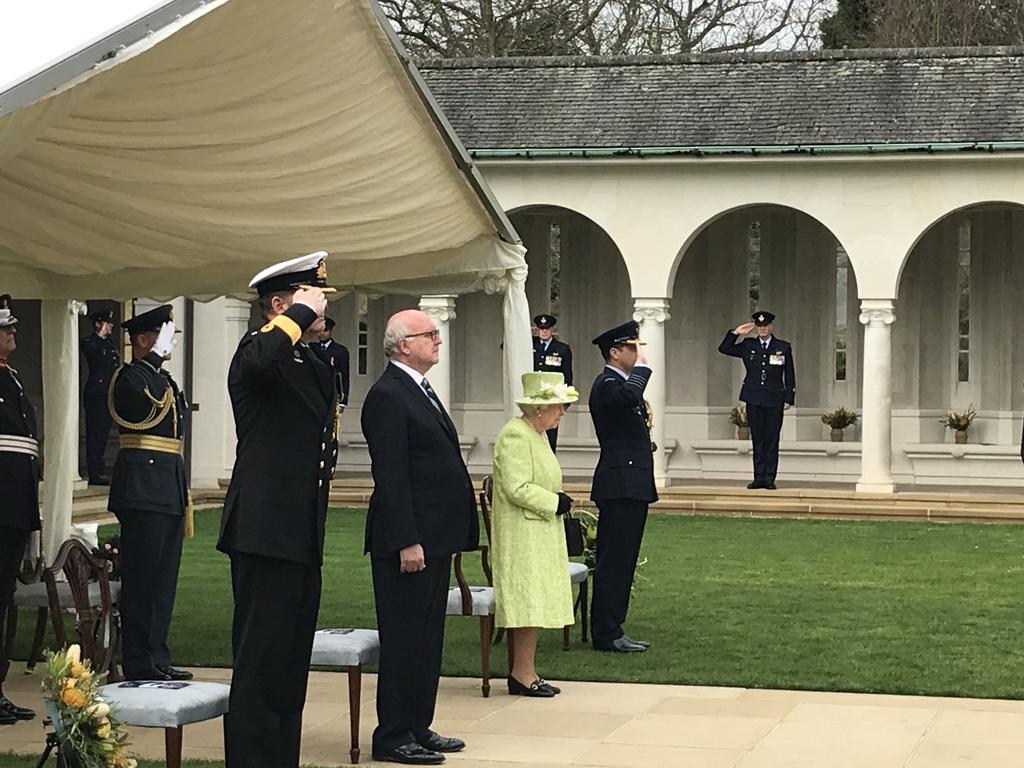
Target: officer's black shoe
<point>409,754</point>
<point>19,713</point>
<point>147,674</point>
<point>769,486</point>
<point>6,718</point>
<point>175,674</point>
<point>99,481</point>
<point>629,639</point>
<point>620,645</point>
<point>438,743</point>
<point>755,484</point>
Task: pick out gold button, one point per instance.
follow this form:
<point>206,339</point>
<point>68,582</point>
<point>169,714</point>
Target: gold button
<point>321,465</point>
<point>319,483</point>
<point>323,446</point>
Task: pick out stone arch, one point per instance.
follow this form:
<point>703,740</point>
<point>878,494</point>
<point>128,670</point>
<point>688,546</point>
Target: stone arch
<point>805,278</point>
<point>960,281</point>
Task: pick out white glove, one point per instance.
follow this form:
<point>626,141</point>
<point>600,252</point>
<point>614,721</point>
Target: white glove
<point>165,341</point>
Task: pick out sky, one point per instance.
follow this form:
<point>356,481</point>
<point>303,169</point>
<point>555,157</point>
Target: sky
<point>35,33</point>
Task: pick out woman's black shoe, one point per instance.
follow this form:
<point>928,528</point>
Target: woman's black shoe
<point>536,688</point>
<point>549,686</point>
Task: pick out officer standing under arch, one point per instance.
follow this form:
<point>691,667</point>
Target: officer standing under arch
<point>550,354</point>
<point>769,388</point>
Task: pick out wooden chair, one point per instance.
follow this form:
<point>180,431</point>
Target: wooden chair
<point>579,574</point>
<point>156,704</point>
<point>348,650</point>
<point>466,600</point>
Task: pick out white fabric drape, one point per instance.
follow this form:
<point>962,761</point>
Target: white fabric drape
<point>247,133</point>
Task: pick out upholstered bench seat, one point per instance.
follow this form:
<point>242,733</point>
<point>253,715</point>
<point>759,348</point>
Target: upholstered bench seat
<point>578,573</point>
<point>482,599</point>
<point>34,595</point>
<point>167,704</point>
<point>347,649</point>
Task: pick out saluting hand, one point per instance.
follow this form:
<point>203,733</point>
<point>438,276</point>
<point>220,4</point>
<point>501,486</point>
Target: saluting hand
<point>313,298</point>
<point>165,340</point>
<point>641,356</point>
<point>744,329</point>
<point>411,559</point>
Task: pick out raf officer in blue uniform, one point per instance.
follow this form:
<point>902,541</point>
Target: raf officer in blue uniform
<point>623,484</point>
<point>103,358</point>
<point>149,493</point>
<point>336,356</point>
<point>769,388</point>
<point>550,354</point>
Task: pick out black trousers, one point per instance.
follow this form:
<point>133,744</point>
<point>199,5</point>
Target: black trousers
<point>12,547</point>
<point>276,606</point>
<point>97,430</point>
<point>765,425</point>
<point>620,529</point>
<point>410,621</point>
<point>553,439</point>
<point>150,558</point>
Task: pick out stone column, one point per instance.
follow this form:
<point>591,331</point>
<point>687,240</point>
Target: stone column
<point>59,322</point>
<point>441,310</point>
<point>652,314</point>
<point>877,316</point>
<point>219,325</point>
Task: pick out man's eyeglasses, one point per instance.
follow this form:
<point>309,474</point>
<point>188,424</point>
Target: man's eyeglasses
<point>434,335</point>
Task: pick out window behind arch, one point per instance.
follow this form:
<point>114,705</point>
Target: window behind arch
<point>754,265</point>
<point>841,344</point>
<point>963,292</point>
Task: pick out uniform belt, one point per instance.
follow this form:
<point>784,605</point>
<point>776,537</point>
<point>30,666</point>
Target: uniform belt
<point>19,444</point>
<point>152,443</point>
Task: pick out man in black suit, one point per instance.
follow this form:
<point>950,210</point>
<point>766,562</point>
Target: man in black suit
<point>272,528</point>
<point>623,486</point>
<point>149,494</point>
<point>336,356</point>
<point>102,358</point>
<point>19,473</point>
<point>421,512</point>
<point>550,354</point>
<point>769,388</point>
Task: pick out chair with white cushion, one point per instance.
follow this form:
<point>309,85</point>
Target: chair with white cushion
<point>170,705</point>
<point>347,649</point>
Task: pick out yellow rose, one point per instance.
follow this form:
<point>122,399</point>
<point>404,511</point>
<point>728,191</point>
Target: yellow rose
<point>78,670</point>
<point>73,698</point>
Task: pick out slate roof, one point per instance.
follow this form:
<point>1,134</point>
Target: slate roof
<point>824,99</point>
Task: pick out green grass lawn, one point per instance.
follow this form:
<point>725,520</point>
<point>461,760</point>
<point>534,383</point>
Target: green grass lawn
<point>853,606</point>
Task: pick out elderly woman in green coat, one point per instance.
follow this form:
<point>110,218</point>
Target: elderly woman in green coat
<point>530,563</point>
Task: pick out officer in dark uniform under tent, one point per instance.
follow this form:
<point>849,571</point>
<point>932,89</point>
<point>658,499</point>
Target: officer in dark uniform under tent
<point>102,358</point>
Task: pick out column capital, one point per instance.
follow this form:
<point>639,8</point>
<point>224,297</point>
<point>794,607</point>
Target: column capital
<point>440,309</point>
<point>650,310</point>
<point>76,307</point>
<point>877,311</point>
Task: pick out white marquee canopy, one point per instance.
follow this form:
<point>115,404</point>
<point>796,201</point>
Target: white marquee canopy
<point>196,143</point>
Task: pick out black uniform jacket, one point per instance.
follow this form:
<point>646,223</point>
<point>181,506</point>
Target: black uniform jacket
<point>103,359</point>
<point>285,408</point>
<point>556,358</point>
<point>422,493</point>
<point>145,480</point>
<point>626,467</point>
<point>19,472</point>
<point>336,357</point>
<point>770,379</point>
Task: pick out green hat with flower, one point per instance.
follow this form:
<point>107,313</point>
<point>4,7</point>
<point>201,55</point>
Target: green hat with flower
<point>546,388</point>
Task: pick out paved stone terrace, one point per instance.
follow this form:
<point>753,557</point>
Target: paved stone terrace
<point>638,726</point>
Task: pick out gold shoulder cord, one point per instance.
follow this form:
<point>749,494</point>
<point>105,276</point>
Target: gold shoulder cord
<point>648,414</point>
<point>158,408</point>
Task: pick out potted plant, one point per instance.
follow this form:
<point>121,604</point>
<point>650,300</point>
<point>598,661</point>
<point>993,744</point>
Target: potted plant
<point>959,421</point>
<point>839,419</point>
<point>738,417</point>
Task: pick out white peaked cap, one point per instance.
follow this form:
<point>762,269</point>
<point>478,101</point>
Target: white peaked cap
<point>300,264</point>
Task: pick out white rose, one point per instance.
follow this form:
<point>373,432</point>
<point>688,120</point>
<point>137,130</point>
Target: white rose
<point>74,653</point>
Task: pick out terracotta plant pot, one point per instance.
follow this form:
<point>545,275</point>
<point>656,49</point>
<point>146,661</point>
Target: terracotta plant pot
<point>960,436</point>
<point>742,433</point>
<point>836,435</point>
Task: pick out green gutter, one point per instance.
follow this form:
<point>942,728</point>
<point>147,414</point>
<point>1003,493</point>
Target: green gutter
<point>782,149</point>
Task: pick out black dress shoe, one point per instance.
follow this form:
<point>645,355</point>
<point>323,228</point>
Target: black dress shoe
<point>620,645</point>
<point>175,674</point>
<point>755,484</point>
<point>438,743</point>
<point>6,718</point>
<point>549,686</point>
<point>629,639</point>
<point>410,754</point>
<point>19,713</point>
<point>535,689</point>
<point>147,674</point>
<point>769,486</point>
